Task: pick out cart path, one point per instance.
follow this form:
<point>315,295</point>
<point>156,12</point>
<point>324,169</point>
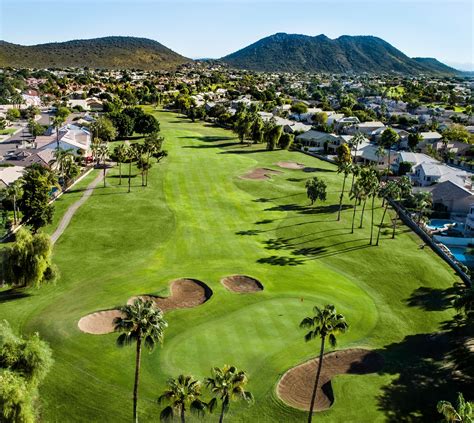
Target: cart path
<point>63,224</point>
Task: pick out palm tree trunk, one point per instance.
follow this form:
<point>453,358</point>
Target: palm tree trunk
<point>372,222</point>
<point>362,215</point>
<point>14,210</point>
<point>395,223</point>
<point>221,417</point>
<point>183,420</point>
<point>120,173</point>
<point>340,198</point>
<point>129,174</point>
<point>354,215</point>
<point>381,223</point>
<point>316,381</point>
<point>147,168</point>
<point>137,379</point>
<point>388,165</point>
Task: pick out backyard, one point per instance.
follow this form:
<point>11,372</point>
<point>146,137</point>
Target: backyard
<point>198,218</point>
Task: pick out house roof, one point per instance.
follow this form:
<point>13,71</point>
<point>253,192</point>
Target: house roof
<point>11,174</point>
<point>317,136</point>
<point>415,158</point>
<point>431,135</point>
<point>449,190</point>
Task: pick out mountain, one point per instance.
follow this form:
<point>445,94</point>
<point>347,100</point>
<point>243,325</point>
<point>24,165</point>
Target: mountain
<point>104,53</point>
<point>435,65</point>
<point>302,53</point>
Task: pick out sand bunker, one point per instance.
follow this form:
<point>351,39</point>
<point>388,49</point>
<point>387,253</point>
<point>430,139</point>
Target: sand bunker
<point>291,165</point>
<point>260,173</point>
<point>296,385</point>
<point>99,323</point>
<point>241,283</point>
<point>185,293</point>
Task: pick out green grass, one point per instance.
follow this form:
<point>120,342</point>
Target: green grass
<point>198,219</point>
<point>7,131</point>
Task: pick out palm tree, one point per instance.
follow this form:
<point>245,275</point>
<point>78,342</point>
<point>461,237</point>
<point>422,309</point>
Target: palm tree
<point>64,160</point>
<point>404,190</point>
<point>140,322</point>
<point>152,146</point>
<point>58,121</point>
<point>133,152</point>
<point>464,302</point>
<point>227,384</point>
<point>182,392</point>
<point>103,156</point>
<point>388,191</point>
<point>372,189</point>
<point>120,153</point>
<point>356,194</point>
<point>462,413</point>
<point>14,191</point>
<point>364,184</point>
<point>325,323</point>
<point>344,168</point>
<point>423,201</point>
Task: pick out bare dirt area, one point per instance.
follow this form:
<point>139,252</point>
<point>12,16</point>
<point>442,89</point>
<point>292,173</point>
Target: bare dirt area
<point>242,284</point>
<point>296,385</point>
<point>185,293</point>
<point>260,173</point>
<point>99,323</point>
<point>291,165</point>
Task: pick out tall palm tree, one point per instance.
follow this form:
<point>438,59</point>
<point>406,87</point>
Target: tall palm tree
<point>140,322</point>
<point>463,412</point>
<point>372,189</point>
<point>14,191</point>
<point>388,191</point>
<point>133,152</point>
<point>227,384</point>
<point>63,160</point>
<point>344,168</point>
<point>423,201</point>
<point>152,146</point>
<point>182,392</point>
<point>326,323</point>
<point>404,190</point>
<point>103,156</point>
<point>120,153</point>
<point>355,194</point>
<point>58,122</point>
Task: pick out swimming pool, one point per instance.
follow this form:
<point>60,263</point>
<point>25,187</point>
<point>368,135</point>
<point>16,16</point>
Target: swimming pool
<point>460,255</point>
<point>436,224</point>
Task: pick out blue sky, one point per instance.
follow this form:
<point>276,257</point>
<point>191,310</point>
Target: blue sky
<point>214,28</point>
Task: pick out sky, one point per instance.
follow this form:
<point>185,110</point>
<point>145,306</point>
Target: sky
<point>214,28</point>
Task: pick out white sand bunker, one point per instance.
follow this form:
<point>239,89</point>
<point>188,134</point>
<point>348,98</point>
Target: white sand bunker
<point>242,284</point>
<point>291,165</point>
<point>260,173</point>
<point>99,323</point>
<point>185,293</point>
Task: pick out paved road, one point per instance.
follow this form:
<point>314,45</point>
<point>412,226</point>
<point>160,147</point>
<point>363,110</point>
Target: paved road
<point>63,224</point>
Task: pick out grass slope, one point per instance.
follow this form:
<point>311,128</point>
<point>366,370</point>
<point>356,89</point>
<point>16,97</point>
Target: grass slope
<point>198,219</point>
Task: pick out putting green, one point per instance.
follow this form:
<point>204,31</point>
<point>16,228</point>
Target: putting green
<point>199,219</point>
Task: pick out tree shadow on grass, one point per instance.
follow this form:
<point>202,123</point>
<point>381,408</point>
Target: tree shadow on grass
<point>281,261</point>
<point>316,169</point>
<point>243,151</point>
<point>210,138</point>
<point>296,179</point>
<point>12,294</point>
<point>249,232</point>
<point>223,145</point>
<point>424,375</point>
<point>433,299</point>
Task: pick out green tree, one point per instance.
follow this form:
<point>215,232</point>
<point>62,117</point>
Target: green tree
<point>58,122</point>
<point>413,140</point>
<point>120,155</point>
<point>140,323</point>
<point>13,115</point>
<point>24,363</point>
<point>14,191</point>
<point>457,132</point>
<point>299,108</point>
<point>462,412</point>
<point>286,140</point>
<point>64,163</point>
<point>316,189</point>
<point>403,191</point>
<point>423,201</point>
<point>325,323</point>
<point>152,147</point>
<point>104,129</point>
<point>27,261</point>
<point>123,123</point>
<point>103,156</point>
<point>272,136</point>
<point>388,139</point>
<point>320,118</point>
<point>147,124</point>
<point>345,168</point>
<point>356,194</point>
<point>183,393</point>
<point>38,183</point>
<point>227,385</point>
<point>464,302</point>
<point>35,128</point>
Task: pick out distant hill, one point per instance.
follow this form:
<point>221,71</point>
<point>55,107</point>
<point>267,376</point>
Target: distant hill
<point>104,53</point>
<point>301,53</point>
<point>435,65</point>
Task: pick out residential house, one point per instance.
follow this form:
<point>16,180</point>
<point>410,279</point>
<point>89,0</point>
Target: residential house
<point>315,140</point>
<point>9,175</point>
<point>426,174</point>
<point>452,198</point>
<point>414,159</point>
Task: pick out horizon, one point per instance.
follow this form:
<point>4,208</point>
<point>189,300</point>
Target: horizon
<point>417,28</point>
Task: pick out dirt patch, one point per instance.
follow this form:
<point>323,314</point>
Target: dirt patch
<point>241,284</point>
<point>185,293</point>
<point>99,323</point>
<point>296,385</point>
<point>260,173</point>
<point>291,165</point>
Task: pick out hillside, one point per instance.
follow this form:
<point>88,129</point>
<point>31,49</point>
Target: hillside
<point>301,53</point>
<point>106,53</point>
<point>435,65</point>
